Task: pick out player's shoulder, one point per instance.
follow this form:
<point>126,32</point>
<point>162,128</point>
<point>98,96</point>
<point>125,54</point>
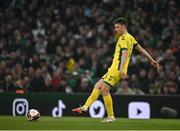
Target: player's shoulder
<point>130,37</point>
<point>126,36</point>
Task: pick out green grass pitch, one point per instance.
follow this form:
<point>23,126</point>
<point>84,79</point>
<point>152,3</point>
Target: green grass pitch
<point>86,123</point>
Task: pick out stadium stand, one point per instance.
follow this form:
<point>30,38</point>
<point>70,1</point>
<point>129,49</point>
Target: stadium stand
<point>66,45</point>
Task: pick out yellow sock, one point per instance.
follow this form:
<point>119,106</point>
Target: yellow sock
<point>94,95</point>
<point>109,105</point>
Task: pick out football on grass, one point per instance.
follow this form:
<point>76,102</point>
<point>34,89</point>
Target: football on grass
<point>33,115</point>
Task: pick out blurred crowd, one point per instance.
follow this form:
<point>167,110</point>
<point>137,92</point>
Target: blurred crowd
<point>67,45</point>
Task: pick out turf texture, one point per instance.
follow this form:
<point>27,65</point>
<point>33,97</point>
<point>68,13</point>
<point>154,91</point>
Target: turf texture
<point>86,123</point>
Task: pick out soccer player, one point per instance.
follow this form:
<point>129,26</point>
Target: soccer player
<point>117,71</point>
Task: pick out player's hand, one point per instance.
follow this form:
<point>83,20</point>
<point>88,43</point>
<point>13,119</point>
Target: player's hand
<point>155,64</point>
<point>123,75</point>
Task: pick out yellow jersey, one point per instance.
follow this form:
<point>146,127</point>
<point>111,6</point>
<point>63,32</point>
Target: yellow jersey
<point>125,42</point>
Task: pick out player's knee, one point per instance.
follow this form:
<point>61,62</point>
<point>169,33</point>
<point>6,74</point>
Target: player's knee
<point>104,90</point>
<point>97,85</point>
<point>105,93</point>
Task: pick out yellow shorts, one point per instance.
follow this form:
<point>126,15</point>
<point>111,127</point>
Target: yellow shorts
<point>112,77</point>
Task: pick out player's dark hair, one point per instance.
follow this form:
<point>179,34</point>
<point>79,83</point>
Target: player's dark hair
<point>120,20</point>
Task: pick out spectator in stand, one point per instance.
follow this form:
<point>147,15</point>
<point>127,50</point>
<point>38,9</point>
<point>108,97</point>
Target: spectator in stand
<point>135,85</point>
<point>84,85</point>
<point>37,83</point>
<point>124,89</point>
<point>143,81</point>
<point>9,84</point>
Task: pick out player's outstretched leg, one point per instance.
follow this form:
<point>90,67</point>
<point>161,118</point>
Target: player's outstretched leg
<point>94,95</point>
<point>80,110</point>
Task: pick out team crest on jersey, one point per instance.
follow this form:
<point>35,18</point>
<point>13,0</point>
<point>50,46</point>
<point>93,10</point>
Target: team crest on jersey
<point>122,38</point>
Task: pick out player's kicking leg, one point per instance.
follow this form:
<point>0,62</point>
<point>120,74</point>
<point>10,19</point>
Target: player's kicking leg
<point>79,110</point>
<point>93,97</point>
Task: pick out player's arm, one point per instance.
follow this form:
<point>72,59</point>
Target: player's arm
<point>124,57</point>
<point>145,53</point>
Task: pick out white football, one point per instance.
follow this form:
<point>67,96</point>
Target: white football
<point>33,115</point>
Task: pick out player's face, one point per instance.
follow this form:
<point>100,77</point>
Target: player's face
<point>119,28</point>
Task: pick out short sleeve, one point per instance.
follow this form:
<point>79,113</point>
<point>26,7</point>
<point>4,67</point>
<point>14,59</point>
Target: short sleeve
<point>135,43</point>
